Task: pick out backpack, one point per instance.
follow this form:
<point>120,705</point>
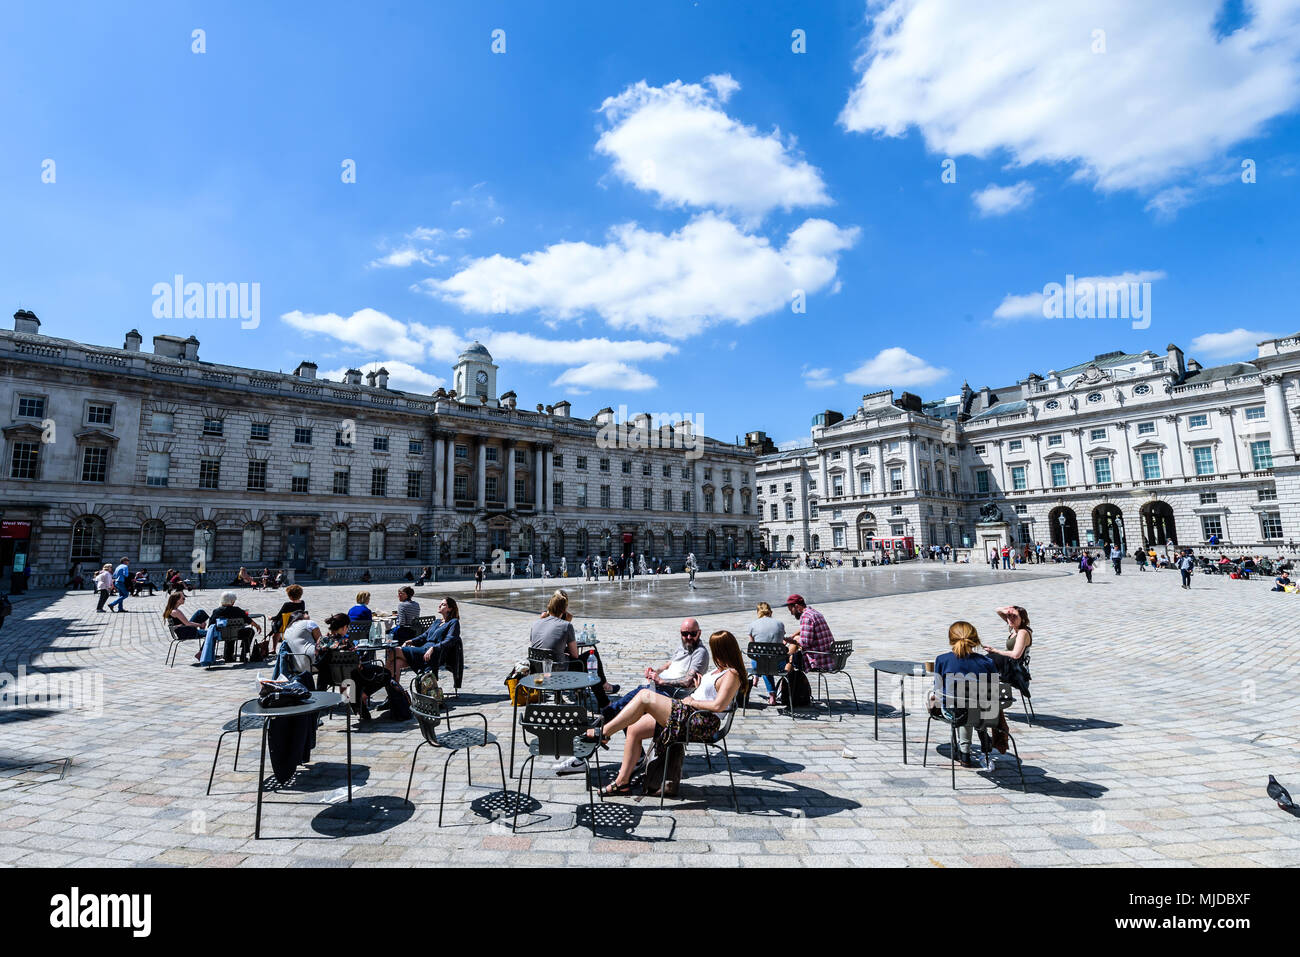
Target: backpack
<point>399,702</point>
<point>796,684</point>
<point>426,683</point>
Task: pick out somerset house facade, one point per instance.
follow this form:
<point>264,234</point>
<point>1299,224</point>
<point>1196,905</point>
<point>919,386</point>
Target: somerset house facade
<point>166,459</point>
<point>1146,448</point>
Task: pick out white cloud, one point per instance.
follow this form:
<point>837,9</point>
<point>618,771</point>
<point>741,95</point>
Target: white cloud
<point>523,347</point>
<point>895,367</point>
<point>1030,305</point>
<point>367,329</point>
<point>426,234</point>
<point>408,256</point>
<point>401,376</point>
<point>605,375</point>
<point>1166,99</point>
<point>676,141</point>
<point>817,378</point>
<point>1228,345</point>
<point>1000,200</point>
<point>671,284</point>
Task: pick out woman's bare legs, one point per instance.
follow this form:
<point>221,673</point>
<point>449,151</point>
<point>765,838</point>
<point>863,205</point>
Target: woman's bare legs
<point>646,702</point>
<point>643,728</point>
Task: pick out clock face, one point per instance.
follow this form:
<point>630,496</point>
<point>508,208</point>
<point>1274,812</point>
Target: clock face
<point>481,378</point>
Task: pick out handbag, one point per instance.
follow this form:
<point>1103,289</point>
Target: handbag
<point>284,695</point>
<point>426,683</point>
<point>258,651</point>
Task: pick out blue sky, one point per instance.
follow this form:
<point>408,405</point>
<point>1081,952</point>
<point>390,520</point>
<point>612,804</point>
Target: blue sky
<point>623,203</point>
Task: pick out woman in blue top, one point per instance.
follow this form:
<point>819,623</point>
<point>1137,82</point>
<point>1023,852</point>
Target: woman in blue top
<point>434,648</point>
<point>361,610</point>
<point>964,679</point>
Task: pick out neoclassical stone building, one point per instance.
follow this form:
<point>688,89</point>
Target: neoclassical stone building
<point>1136,448</point>
<point>165,458</point>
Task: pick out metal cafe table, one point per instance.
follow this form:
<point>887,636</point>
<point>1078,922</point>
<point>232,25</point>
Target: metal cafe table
<point>904,670</point>
<point>318,702</point>
<point>555,682</point>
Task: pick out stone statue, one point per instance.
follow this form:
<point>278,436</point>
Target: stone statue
<point>989,512</point>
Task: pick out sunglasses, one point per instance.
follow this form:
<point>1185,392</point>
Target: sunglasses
<point>689,634</point>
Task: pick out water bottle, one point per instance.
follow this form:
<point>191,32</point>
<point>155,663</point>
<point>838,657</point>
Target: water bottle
<point>593,633</point>
<point>583,640</point>
<point>592,671</point>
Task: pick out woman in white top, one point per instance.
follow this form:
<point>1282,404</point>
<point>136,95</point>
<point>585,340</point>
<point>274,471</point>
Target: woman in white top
<point>104,584</point>
<point>300,639</point>
<point>694,718</point>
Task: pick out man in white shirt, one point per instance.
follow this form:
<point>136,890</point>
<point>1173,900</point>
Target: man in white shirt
<point>681,670</point>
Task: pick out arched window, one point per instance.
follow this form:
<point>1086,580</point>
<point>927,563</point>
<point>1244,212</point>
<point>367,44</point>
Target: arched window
<point>582,543</point>
<point>816,542</point>
<point>649,543</point>
<point>378,539</point>
<point>465,541</point>
<point>339,543</point>
<point>251,550</point>
<point>412,542</point>
<point>710,543</point>
<point>789,543</point>
<point>205,544</point>
<point>151,541</point>
<point>525,540</point>
<point>88,539</point>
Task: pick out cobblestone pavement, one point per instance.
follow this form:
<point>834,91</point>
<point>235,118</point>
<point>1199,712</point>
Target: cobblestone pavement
<point>1161,713</point>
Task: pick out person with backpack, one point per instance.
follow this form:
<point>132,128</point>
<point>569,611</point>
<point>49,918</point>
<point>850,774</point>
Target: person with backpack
<point>813,636</point>
<point>1085,565</point>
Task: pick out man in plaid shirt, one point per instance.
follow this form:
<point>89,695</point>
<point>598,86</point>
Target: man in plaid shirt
<point>814,636</point>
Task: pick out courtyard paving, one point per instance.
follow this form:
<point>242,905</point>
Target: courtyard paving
<point>1161,713</point>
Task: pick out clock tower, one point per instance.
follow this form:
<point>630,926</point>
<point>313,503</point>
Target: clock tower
<point>475,376</point>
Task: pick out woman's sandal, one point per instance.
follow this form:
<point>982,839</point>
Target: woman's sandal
<point>616,790</point>
<point>599,732</point>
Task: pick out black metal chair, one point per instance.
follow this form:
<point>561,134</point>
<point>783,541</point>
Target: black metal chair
<point>769,660</point>
<point>176,640</point>
<point>1026,700</point>
<point>960,718</point>
<point>839,653</point>
<point>718,740</point>
<point>237,727</point>
<point>335,666</point>
<point>466,739</point>
<point>558,732</point>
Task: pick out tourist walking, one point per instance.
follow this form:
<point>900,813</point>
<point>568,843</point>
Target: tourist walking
<point>121,574</point>
<point>478,578</point>
<point>103,585</point>
<point>1185,565</point>
<point>1085,565</point>
<point>1116,558</point>
<point>1140,557</point>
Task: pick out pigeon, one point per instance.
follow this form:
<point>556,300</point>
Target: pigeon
<point>1280,795</point>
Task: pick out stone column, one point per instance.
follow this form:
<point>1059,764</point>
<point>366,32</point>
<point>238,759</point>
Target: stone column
<point>538,452</point>
<point>510,475</point>
<point>449,486</point>
<point>547,470</point>
<point>1279,420</point>
<point>1126,473</point>
<point>1232,443</point>
<point>1177,457</point>
<point>480,473</point>
<point>439,472</point>
<point>1083,462</point>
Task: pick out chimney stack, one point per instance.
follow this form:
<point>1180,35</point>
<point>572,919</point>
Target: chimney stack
<point>133,341</point>
<point>191,349</point>
<point>352,377</point>
<point>1175,364</point>
<point>370,378</point>
<point>25,321</point>
<point>381,378</point>
<point>305,370</point>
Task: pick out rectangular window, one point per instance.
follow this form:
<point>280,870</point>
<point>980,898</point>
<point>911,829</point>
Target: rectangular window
<point>580,463</point>
<point>647,499</point>
<point>1270,524</point>
<point>300,478</point>
<point>31,407</point>
<point>25,460</point>
<point>687,473</point>
<point>1097,435</point>
<point>582,495</point>
<point>1268,495</point>
<point>1016,445</point>
<point>925,479</point>
<point>210,473</point>
<point>490,488</point>
<point>380,444</point>
<point>256,476</point>
<point>415,446</point>
<point>460,488</point>
<point>213,426</point>
<point>686,501</point>
<point>789,509</point>
<point>668,471</point>
<point>379,482</point>
<point>864,482</point>
<point>301,435</point>
<point>1146,428</point>
<point>627,466</point>
<point>896,479</point>
<point>342,481</point>
<point>156,472</point>
<point>837,537</point>
<point>981,481</point>
<point>557,493</point>
<point>491,454</point>
<point>342,441</point>
<point>895,510</point>
<point>521,488</point>
<point>94,465</point>
<point>557,461</point>
<point>837,485</point>
<point>98,413</point>
<point>604,496</point>
<point>645,469</point>
<point>774,511</point>
<point>1209,498</point>
<point>260,432</point>
<point>1150,465</point>
<point>414,479</point>
<point>162,422</point>
<point>1210,525</point>
<point>627,496</point>
<point>1055,440</point>
<point>668,500</point>
<point>1203,460</point>
<point>1198,421</point>
<point>1018,482</point>
<point>462,451</point>
<point>1255,412</point>
<point>978,449</point>
<point>1101,469</point>
<point>814,511</point>
<point>1261,455</point>
<point>1059,477</point>
<point>604,465</point>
